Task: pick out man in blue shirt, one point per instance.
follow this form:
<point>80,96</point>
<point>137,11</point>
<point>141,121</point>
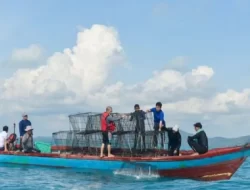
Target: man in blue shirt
<point>159,122</point>
<point>22,126</point>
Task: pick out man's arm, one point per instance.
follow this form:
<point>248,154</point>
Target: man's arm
<point>161,120</point>
<point>132,117</point>
<point>168,129</point>
<point>110,118</point>
<point>149,110</point>
<point>194,136</point>
<point>143,115</point>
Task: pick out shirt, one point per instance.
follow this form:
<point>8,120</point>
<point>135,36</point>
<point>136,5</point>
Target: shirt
<point>22,126</point>
<point>27,141</point>
<point>158,116</point>
<point>139,117</point>
<point>174,138</point>
<point>201,137</point>
<point>3,137</point>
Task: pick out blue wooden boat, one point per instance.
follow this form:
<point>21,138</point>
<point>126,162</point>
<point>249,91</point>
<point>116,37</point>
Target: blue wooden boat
<point>217,164</point>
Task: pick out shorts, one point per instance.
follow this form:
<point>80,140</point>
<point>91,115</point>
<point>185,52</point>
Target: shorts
<point>105,138</point>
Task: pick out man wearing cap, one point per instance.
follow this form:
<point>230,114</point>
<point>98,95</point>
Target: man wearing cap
<point>198,142</point>
<point>174,141</point>
<point>27,141</point>
<point>22,126</point>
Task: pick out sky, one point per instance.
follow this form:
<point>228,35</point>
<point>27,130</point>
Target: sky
<point>60,58</point>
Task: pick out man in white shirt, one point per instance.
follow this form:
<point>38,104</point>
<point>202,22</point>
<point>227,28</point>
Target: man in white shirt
<point>3,139</point>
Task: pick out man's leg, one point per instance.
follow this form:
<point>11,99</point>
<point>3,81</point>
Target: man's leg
<point>155,142</point>
<point>170,151</point>
<point>177,152</point>
<point>29,150</point>
<point>20,145</point>
<point>102,149</point>
<point>144,141</point>
<point>36,150</point>
<point>109,151</point>
<point>104,142</point>
<point>196,147</point>
<point>156,132</point>
<point>136,139</point>
<point>162,139</point>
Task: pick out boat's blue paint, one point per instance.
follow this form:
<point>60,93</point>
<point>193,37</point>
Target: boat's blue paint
<point>115,165</point>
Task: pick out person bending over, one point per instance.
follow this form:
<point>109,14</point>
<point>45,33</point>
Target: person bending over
<point>198,142</point>
<point>174,141</point>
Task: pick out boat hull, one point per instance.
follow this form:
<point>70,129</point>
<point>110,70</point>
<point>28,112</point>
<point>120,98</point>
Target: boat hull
<point>214,172</point>
<point>212,166</point>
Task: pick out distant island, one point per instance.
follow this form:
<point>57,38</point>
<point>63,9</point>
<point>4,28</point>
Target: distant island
<point>214,142</point>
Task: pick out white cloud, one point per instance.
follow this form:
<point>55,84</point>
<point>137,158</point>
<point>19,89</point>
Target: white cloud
<point>227,102</point>
<point>76,80</point>
<point>32,53</point>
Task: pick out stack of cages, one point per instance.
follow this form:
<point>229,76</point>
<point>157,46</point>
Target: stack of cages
<point>63,141</point>
<point>135,136</point>
<point>132,136</point>
<point>80,124</point>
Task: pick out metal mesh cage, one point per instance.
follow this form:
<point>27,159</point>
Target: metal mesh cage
<point>64,139</point>
<point>132,135</point>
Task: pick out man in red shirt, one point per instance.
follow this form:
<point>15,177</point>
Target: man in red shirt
<point>107,127</point>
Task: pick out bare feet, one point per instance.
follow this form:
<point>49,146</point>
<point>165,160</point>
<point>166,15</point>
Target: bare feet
<point>111,156</point>
<point>194,154</point>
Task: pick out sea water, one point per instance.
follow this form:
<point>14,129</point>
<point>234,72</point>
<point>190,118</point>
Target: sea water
<point>21,177</point>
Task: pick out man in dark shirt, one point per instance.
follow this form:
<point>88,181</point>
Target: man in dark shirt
<point>198,142</point>
<point>22,126</point>
<point>174,141</point>
<point>139,117</point>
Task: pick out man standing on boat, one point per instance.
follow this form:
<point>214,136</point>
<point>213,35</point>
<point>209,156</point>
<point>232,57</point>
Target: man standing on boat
<point>107,127</point>
<point>139,117</point>
<point>198,142</point>
<point>22,126</point>
<point>159,122</point>
<point>174,141</point>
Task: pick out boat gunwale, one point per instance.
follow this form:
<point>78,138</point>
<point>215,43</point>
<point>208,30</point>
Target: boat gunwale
<point>210,154</point>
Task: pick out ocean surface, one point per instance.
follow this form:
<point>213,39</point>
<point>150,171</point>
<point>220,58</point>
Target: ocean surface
<point>21,177</point>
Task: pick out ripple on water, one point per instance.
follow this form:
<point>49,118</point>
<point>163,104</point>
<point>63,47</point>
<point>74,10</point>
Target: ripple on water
<point>18,177</point>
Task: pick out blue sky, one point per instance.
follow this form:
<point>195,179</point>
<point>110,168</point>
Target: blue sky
<point>152,33</point>
<point>214,33</point>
